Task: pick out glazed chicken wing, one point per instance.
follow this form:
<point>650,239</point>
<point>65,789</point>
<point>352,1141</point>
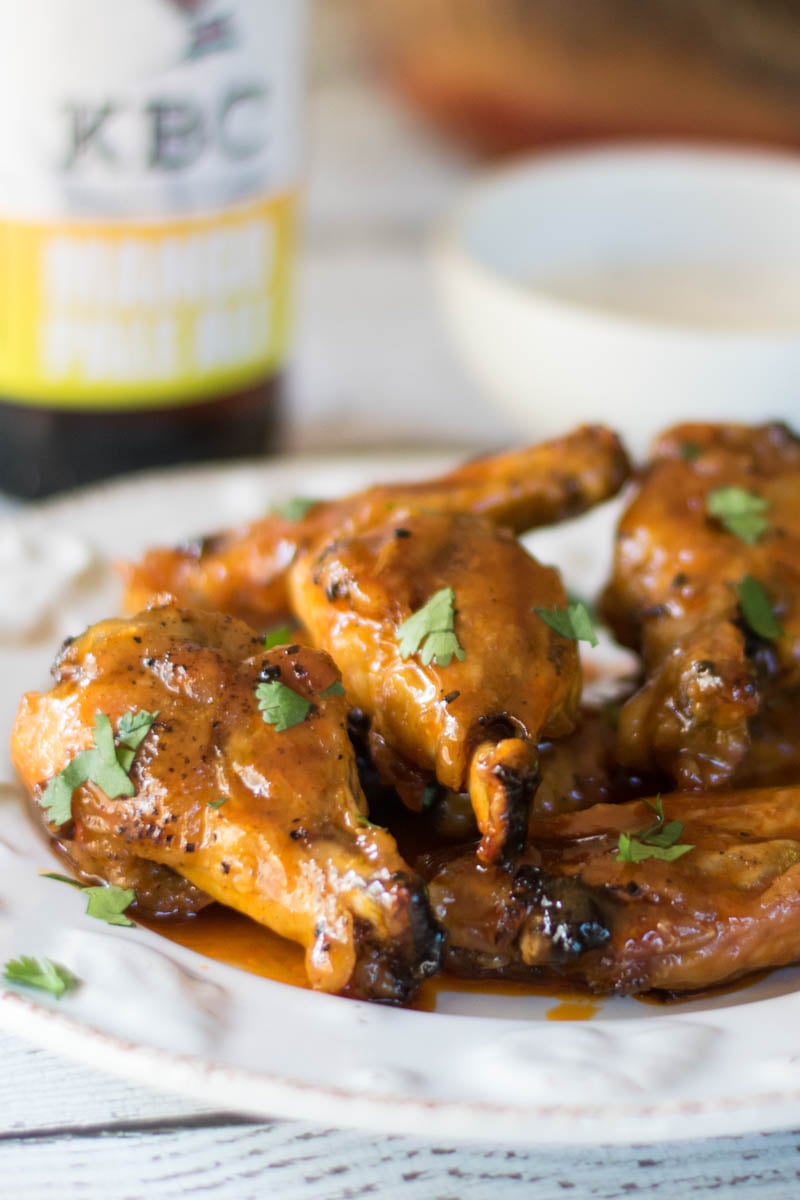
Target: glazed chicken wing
<point>473,722</point>
<point>353,570</point>
<point>267,818</point>
<point>568,908</point>
<point>718,508</point>
<point>243,572</point>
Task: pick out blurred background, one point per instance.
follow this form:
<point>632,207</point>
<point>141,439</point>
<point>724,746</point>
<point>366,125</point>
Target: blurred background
<point>510,74</point>
<point>682,270</point>
<point>412,99</point>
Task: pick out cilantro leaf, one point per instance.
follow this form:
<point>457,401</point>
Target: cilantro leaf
<point>572,622</point>
<point>631,849</point>
<point>366,823</point>
<point>611,712</point>
<point>218,803</point>
<point>105,764</point>
<point>57,796</point>
<point>431,631</point>
<point>280,636</point>
<point>106,902</point>
<point>757,608</point>
<point>430,794</point>
<point>334,689</point>
<point>739,512</point>
<point>689,451</point>
<point>40,973</point>
<point>658,840</point>
<point>295,508</point>
<point>134,727</point>
<point>60,878</point>
<point>280,706</point>
<point>105,769</point>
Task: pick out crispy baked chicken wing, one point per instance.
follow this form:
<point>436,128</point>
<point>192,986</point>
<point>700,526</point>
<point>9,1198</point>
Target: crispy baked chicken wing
<point>675,596</point>
<point>352,570</point>
<point>569,909</point>
<point>243,571</point>
<point>267,820</point>
<point>473,722</point>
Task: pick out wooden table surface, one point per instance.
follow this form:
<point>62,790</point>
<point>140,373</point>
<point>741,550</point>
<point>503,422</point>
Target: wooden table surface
<point>372,369</point>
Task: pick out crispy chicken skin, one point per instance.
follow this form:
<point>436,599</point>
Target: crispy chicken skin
<point>290,845</point>
<point>243,571</point>
<point>673,596</point>
<point>728,907</point>
<point>581,769</point>
<point>474,724</point>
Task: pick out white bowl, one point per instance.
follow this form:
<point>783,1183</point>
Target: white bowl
<point>634,286</point>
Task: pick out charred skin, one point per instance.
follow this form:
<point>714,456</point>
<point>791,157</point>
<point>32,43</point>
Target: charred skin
<point>472,725</point>
<point>290,846</point>
<point>673,596</point>
<point>516,921</point>
<point>569,909</point>
<point>244,571</point>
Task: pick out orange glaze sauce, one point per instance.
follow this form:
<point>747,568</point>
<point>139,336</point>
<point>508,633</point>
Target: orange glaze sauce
<point>228,937</point>
<point>568,1005</point>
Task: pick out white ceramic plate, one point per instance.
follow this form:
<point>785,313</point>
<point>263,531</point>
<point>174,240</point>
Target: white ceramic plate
<point>481,1067</point>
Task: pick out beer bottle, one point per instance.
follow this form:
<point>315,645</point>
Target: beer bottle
<point>148,180</point>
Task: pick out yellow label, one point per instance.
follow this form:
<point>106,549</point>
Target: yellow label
<point>144,314</point>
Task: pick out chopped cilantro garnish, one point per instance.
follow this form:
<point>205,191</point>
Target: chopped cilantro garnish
<point>106,765</point>
<point>218,803</point>
<point>658,840</point>
<point>109,903</point>
<point>40,973</point>
<point>295,508</point>
<point>689,451</point>
<point>572,622</point>
<point>430,794</point>
<point>431,631</point>
<point>365,822</point>
<point>739,512</point>
<point>106,902</point>
<point>280,706</point>
<point>282,636</point>
<point>334,689</point>
<point>611,712</point>
<point>757,608</point>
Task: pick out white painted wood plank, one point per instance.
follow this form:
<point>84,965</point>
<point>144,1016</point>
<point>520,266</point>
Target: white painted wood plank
<point>39,1090</point>
<point>296,1163</point>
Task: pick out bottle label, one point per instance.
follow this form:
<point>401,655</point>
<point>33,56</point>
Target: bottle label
<point>147,197</point>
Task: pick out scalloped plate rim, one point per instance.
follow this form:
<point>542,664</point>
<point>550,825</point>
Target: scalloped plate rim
<point>617,1118</point>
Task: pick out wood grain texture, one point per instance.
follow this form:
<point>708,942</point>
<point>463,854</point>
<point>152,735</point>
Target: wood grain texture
<point>293,1162</point>
<point>39,1091</point>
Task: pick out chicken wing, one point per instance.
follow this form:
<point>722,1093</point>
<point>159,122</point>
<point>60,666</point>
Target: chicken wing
<point>243,571</point>
<point>268,818</point>
<point>570,909</point>
<point>472,722</point>
<point>718,509</point>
